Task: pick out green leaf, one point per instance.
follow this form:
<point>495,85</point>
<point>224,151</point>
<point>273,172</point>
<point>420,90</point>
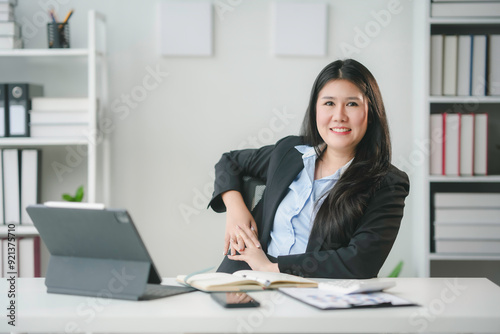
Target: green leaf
<point>395,272</point>
<point>79,194</point>
<point>68,197</point>
<point>77,198</point>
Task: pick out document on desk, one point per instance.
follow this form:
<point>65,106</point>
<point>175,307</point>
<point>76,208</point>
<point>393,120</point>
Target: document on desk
<point>326,300</point>
<point>245,280</point>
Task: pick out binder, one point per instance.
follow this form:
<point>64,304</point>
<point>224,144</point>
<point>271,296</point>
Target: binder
<point>4,111</point>
<point>479,54</point>
<point>437,53</point>
<point>19,96</point>
<point>30,159</point>
<point>12,209</point>
<point>464,65</point>
<point>29,257</point>
<point>451,156</point>
<point>467,145</point>
<point>436,146</point>
<point>494,65</point>
<point>450,65</point>
<point>481,144</point>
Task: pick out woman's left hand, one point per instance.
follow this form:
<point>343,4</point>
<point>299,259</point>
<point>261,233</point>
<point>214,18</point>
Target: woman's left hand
<point>255,257</point>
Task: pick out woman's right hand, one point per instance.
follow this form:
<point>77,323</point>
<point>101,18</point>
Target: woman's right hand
<point>238,217</point>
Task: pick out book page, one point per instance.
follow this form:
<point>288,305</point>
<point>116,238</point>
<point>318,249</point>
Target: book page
<point>214,281</point>
<point>270,278</point>
<point>245,280</point>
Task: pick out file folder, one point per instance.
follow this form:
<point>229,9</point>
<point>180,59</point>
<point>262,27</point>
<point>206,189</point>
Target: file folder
<point>19,96</point>
<point>29,173</point>
<point>11,186</point>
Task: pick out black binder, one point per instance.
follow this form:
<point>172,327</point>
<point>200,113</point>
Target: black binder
<point>4,111</point>
<point>19,97</point>
<point>96,252</point>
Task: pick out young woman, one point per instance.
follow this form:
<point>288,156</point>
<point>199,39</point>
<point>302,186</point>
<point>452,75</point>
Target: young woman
<point>333,201</point>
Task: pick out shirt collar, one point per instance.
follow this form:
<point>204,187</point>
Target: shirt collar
<point>309,158</point>
<point>306,150</point>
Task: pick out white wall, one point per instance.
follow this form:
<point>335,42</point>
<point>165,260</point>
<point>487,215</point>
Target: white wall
<point>163,151</point>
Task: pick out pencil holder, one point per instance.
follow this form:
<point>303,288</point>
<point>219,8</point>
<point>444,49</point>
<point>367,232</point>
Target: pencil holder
<point>58,35</point>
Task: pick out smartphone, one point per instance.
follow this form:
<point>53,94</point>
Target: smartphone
<point>234,299</point>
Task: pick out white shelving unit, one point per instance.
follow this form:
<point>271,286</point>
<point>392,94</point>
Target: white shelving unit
<point>44,53</point>
<point>423,183</point>
<point>464,99</point>
<point>95,57</point>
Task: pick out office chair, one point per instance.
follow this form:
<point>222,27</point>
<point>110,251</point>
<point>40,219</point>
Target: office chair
<point>253,188</point>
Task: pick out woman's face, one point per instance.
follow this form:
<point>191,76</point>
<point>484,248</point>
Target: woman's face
<point>341,116</point>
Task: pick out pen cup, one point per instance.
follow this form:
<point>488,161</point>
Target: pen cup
<point>58,35</point>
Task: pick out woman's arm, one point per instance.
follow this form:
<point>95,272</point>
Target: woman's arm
<point>371,242</point>
<point>233,165</point>
<point>231,168</point>
<point>229,172</point>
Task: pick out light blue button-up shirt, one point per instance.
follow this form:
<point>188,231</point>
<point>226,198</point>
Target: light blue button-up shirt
<point>295,214</point>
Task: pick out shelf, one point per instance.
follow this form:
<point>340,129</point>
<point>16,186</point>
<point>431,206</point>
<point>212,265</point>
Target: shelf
<point>19,231</point>
<point>464,257</point>
<point>442,264</point>
<point>463,20</point>
<point>464,99</point>
<point>488,178</point>
<point>38,142</point>
<point>44,53</point>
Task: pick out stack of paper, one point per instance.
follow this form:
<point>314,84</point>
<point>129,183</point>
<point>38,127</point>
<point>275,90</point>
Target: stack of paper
<point>467,223</point>
<point>59,117</point>
<point>484,8</point>
<point>10,31</point>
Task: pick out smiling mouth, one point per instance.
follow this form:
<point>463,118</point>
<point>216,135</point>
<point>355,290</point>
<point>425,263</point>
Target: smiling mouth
<point>340,130</point>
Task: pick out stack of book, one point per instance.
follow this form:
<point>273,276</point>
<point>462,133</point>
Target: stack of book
<point>459,144</point>
<point>59,117</point>
<point>465,65</point>
<point>27,255</point>
<point>467,223</point>
<point>10,32</point>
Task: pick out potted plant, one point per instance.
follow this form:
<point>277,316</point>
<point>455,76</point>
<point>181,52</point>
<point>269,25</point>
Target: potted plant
<point>78,197</point>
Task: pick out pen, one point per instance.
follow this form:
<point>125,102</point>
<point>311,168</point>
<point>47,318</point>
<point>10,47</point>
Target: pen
<point>53,16</point>
<point>263,281</point>
<point>66,19</point>
<point>68,16</point>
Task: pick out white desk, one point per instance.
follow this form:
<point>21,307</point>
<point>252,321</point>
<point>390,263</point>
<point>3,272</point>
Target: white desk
<point>465,305</point>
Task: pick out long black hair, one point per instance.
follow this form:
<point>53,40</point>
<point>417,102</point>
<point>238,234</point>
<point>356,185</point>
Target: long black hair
<point>344,205</point>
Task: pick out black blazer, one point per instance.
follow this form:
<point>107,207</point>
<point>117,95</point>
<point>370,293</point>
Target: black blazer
<point>278,165</point>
